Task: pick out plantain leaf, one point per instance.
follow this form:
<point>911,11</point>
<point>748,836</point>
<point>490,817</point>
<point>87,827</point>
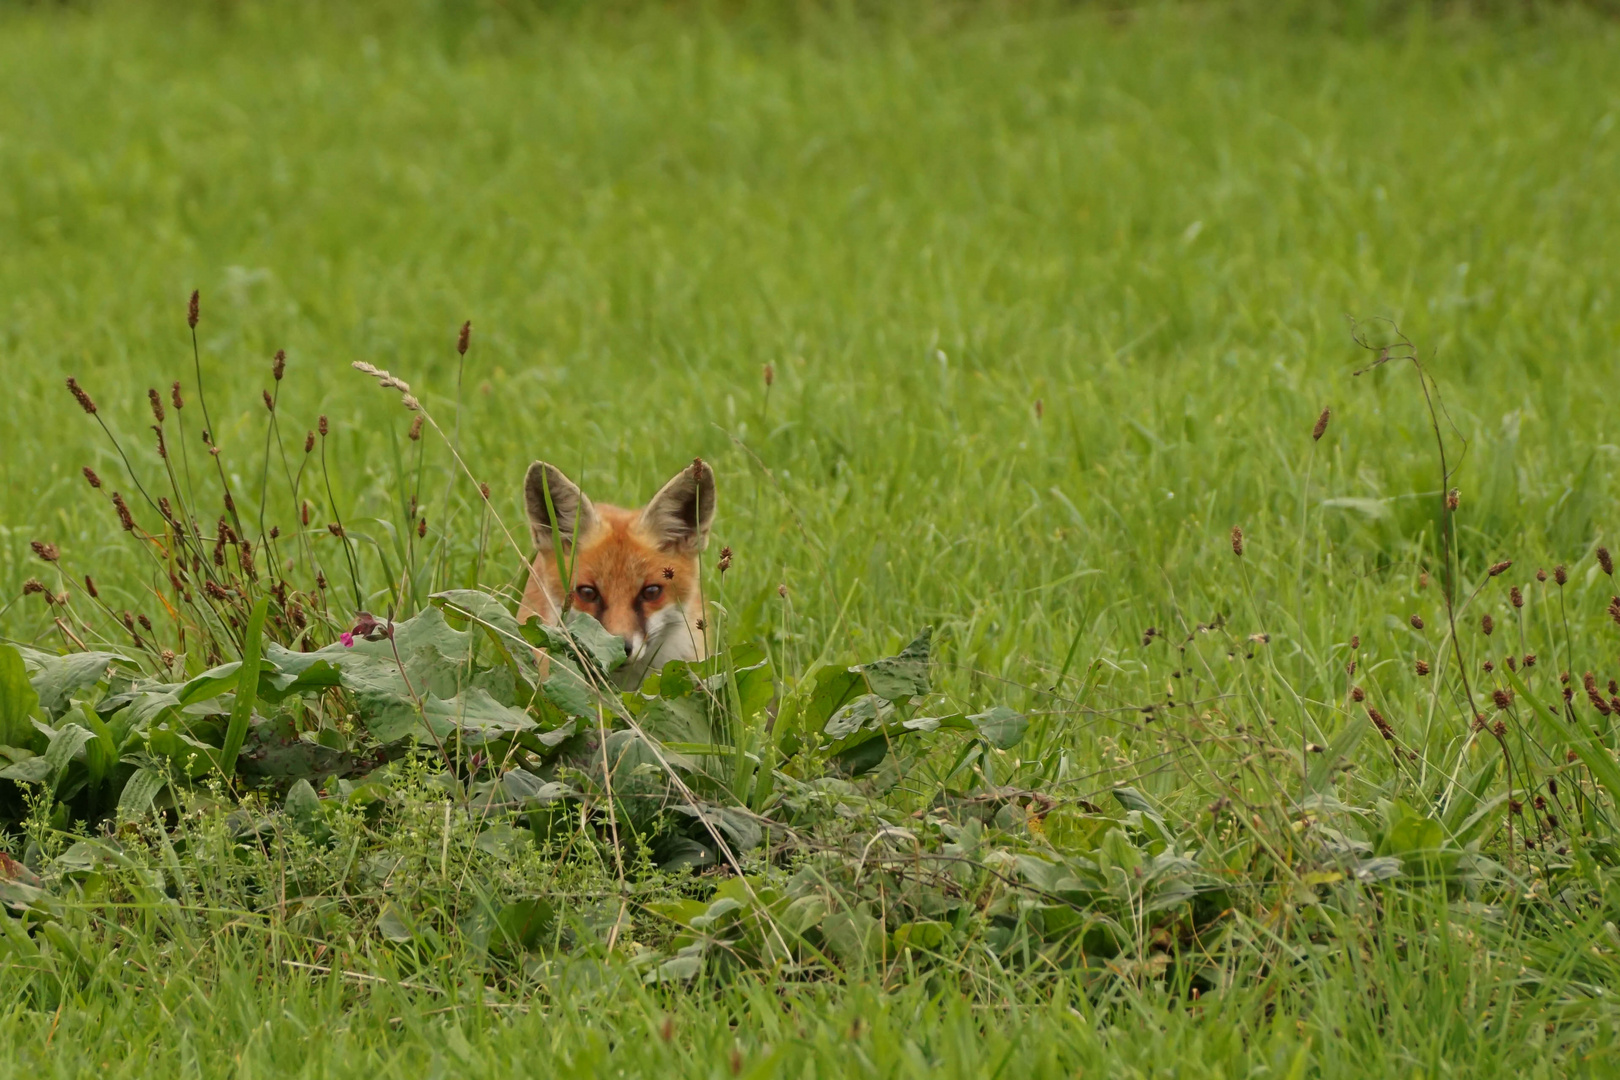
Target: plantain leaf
<point>896,677</point>
<point>18,699</point>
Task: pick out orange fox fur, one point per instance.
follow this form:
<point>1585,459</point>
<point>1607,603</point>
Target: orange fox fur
<point>635,570</point>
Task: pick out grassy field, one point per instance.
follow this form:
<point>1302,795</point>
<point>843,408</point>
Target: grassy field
<point>1050,302</point>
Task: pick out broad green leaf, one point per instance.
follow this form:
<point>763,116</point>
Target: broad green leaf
<point>834,689</point>
<point>1001,727</point>
<point>581,638</point>
<point>524,924</point>
<point>926,935</point>
<point>57,678</point>
<point>18,699</point>
<point>68,741</point>
<point>33,770</point>
<point>897,677</point>
<point>567,689</point>
<point>473,716</point>
<point>303,806</point>
<point>857,714</point>
<point>139,791</point>
<point>854,936</point>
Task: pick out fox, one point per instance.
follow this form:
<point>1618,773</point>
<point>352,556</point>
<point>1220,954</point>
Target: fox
<point>634,570</point>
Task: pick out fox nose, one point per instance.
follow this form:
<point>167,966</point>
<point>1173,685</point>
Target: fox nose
<point>629,648</point>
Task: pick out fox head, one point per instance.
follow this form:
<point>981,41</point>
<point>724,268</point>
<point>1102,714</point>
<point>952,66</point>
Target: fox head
<point>635,571</point>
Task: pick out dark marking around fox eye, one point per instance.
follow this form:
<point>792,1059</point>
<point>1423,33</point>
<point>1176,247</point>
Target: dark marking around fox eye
<point>652,592</point>
<point>587,593</point>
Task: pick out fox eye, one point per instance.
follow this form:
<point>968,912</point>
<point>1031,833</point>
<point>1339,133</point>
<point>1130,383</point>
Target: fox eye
<point>587,593</point>
<point>652,592</point>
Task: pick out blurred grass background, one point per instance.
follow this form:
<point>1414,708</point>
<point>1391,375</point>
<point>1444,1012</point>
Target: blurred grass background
<point>1052,293</point>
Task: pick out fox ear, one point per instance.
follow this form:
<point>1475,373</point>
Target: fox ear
<point>574,512</point>
<point>678,517</point>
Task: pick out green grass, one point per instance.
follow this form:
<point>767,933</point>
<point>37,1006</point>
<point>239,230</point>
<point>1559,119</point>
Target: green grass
<point>1052,302</point>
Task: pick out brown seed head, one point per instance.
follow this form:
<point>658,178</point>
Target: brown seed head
<point>421,528</point>
<point>47,552</point>
<point>1040,409</point>
<point>90,586</point>
<point>194,309</point>
<point>1321,425</point>
<point>483,491</point>
<point>309,442</point>
<point>1529,659</point>
<point>146,624</point>
<point>770,375</point>
<point>1512,663</point>
<point>275,531</point>
<point>1501,698</point>
<point>781,590</point>
<point>303,512</point>
<point>1380,723</point>
<point>1357,694</point>
<point>725,559</point>
<point>1489,666</point>
<point>32,586</point>
<point>667,1030</point>
<point>1417,622</point>
<point>1422,667</point>
<point>1498,569</point>
<point>1541,576</point>
<point>81,396</point>
<point>699,468</point>
<point>1515,806</point>
<point>416,427</point>
<point>1355,641</point>
<point>1453,499</point>
<point>1614,609</point>
<point>125,518</point>
<point>464,338</point>
<point>1237,541</point>
<point>320,580</point>
<point>269,402</point>
<point>335,529</point>
<point>322,426</point>
<point>162,447</point>
<point>1350,668</point>
<point>278,365</point>
<point>1479,722</point>
<point>1516,597</point>
<point>1499,729</point>
<point>1605,560</point>
<point>174,396</point>
<point>155,399</point>
<point>1560,574</point>
<point>1594,695</point>
<point>91,478</point>
<point>1487,624</point>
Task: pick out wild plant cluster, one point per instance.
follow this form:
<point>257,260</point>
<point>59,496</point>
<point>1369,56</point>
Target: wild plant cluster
<point>262,761</point>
